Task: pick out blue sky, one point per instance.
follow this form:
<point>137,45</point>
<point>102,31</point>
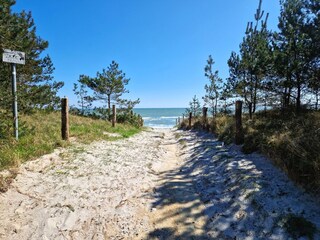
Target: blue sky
<point>162,46</point>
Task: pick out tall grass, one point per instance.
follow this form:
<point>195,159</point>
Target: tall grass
<point>40,134</point>
<point>291,141</point>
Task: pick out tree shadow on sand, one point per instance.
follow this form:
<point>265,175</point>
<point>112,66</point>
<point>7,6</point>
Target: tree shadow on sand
<point>242,196</point>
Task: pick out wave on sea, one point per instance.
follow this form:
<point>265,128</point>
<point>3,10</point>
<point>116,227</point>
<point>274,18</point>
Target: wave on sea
<point>160,118</point>
<point>160,122</point>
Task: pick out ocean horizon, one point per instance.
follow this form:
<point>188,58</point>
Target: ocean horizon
<point>160,117</point>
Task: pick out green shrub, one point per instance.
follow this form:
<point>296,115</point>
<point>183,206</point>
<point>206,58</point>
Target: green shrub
<point>129,118</point>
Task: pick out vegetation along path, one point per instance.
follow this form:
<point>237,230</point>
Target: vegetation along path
<point>159,184</point>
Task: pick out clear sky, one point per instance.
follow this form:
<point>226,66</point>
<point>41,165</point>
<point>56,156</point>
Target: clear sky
<point>161,45</point>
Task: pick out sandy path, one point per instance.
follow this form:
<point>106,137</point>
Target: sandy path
<point>178,211</point>
<point>159,184</point>
<point>245,196</point>
<point>100,191</point>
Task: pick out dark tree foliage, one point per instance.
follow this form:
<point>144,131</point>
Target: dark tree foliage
<point>292,51</point>
<point>280,68</point>
<point>35,84</point>
<point>108,87</point>
<point>36,87</point>
<point>248,70</point>
<point>212,89</point>
<point>194,107</point>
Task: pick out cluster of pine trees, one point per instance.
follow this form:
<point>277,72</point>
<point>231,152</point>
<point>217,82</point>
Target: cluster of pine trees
<point>35,84</point>
<point>273,68</point>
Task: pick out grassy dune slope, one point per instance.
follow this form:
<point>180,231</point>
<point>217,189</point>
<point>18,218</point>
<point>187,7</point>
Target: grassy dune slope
<point>40,134</point>
<point>291,141</point>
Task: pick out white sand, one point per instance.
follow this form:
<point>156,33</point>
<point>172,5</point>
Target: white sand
<point>152,186</point>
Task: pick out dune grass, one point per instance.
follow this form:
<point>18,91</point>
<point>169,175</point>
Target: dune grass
<point>291,141</point>
<point>40,134</point>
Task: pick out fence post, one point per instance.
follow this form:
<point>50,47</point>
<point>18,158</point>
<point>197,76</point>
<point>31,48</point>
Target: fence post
<point>190,119</point>
<point>182,117</point>
<point>114,115</point>
<point>204,115</point>
<point>179,121</point>
<point>239,132</point>
<point>64,119</point>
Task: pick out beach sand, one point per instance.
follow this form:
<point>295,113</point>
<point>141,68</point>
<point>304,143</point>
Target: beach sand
<point>159,184</point>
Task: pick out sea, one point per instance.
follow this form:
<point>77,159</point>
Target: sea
<point>160,117</point>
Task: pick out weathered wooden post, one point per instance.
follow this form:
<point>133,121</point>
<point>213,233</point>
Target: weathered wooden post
<point>190,119</point>
<point>182,117</point>
<point>114,115</point>
<point>205,118</point>
<point>179,121</point>
<point>238,115</point>
<point>64,119</point>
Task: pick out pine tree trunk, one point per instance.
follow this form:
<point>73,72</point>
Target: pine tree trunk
<point>109,107</point>
<point>255,96</point>
<point>82,106</point>
<point>317,100</point>
<point>215,107</point>
<point>298,103</point>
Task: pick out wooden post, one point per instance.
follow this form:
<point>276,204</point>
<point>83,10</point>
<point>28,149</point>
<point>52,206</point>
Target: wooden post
<point>64,119</point>
<point>239,133</point>
<point>182,117</point>
<point>190,119</point>
<point>179,122</point>
<point>114,115</point>
<point>204,115</point>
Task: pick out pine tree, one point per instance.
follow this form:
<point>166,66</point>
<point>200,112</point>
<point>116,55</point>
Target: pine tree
<point>194,107</point>
<point>292,48</point>
<point>35,84</point>
<point>109,85</point>
<point>313,30</point>
<point>213,88</point>
<point>249,69</point>
<point>80,90</point>
<point>36,87</point>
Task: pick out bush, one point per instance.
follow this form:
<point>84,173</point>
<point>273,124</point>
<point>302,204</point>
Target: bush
<point>224,127</point>
<point>130,118</point>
